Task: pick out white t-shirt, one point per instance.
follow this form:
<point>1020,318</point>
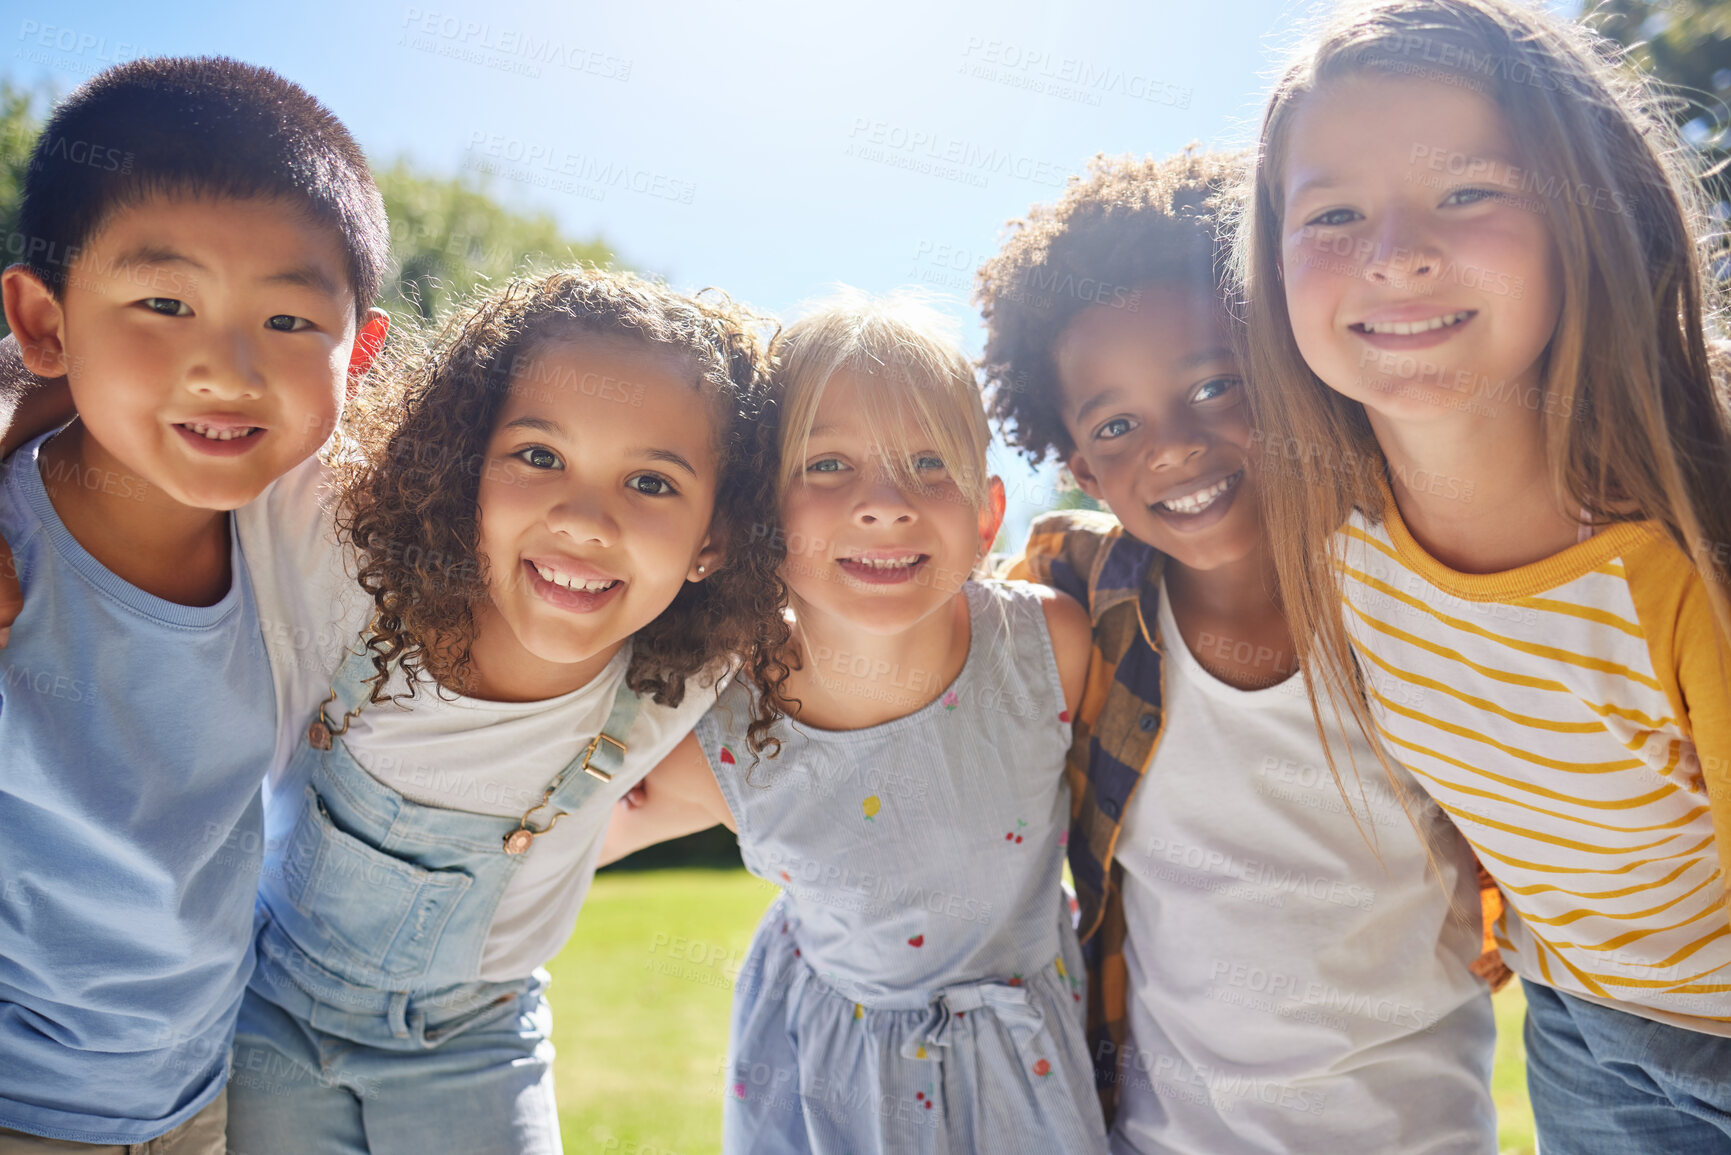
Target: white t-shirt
<point>1288,992</point>
<point>457,753</point>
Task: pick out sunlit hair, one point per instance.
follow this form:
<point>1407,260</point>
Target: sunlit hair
<point>907,358</point>
<point>1634,427</point>
<point>1129,224</point>
<point>409,499</point>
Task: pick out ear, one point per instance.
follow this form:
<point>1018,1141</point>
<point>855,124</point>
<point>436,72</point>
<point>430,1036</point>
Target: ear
<point>709,559</point>
<point>1090,484</point>
<point>36,320</point>
<point>992,517</point>
<point>369,339</point>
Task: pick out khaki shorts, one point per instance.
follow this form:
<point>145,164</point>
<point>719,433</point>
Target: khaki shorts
<point>203,1134</point>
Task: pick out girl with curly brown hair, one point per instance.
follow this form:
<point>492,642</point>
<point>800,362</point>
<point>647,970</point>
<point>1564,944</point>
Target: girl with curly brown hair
<point>545,550</point>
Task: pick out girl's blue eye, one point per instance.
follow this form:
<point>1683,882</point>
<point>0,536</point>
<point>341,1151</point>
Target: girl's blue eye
<point>1469,196</point>
<point>824,465</point>
<point>1117,427</point>
<point>167,306</point>
<point>1333,218</point>
<point>651,485</point>
<point>535,457</point>
<point>1215,387</point>
<point>284,323</point>
<point>926,461</point>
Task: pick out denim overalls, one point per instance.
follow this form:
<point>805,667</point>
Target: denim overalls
<point>365,1027</point>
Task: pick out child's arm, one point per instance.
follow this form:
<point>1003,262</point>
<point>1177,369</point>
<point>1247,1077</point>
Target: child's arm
<point>1063,550</point>
<point>679,797</point>
<point>29,404</point>
<point>1072,644</point>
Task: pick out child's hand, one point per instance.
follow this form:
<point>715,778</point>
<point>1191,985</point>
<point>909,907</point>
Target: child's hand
<point>11,594</point>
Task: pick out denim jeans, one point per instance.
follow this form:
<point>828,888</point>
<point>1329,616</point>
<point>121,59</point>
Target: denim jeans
<point>486,1091</point>
<point>1606,1082</point>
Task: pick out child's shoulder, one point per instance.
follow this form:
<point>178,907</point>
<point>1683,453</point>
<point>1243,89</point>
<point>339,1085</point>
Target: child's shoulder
<point>1075,525</point>
<point>1067,547</point>
<point>1059,609</point>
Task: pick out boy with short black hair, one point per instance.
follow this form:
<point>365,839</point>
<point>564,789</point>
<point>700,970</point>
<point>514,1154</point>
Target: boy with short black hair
<point>1261,978</point>
<point>203,244</point>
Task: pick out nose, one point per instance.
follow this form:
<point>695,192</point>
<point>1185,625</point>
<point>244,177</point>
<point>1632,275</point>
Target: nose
<point>227,369</point>
<point>583,515</point>
<point>882,502</point>
<point>1400,250</point>
<point>1177,441</point>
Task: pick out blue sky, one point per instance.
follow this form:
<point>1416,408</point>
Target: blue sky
<point>771,147</point>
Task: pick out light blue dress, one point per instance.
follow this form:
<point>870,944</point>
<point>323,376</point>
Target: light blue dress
<point>917,987</point>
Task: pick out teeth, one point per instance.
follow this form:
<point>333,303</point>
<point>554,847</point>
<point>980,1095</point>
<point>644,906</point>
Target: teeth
<point>1201,499</point>
<point>1407,328</point>
<point>585,585</point>
<point>886,562</point>
<point>213,434</point>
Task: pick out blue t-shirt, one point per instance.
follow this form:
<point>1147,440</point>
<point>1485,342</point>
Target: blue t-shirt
<point>134,737</point>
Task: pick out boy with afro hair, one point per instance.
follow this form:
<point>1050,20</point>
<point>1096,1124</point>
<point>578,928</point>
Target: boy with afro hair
<point>1271,965</point>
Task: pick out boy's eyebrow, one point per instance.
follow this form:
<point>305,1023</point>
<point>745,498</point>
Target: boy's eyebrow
<point>1204,356</point>
<point>152,253</point>
<point>543,425</point>
<point>305,276</point>
<point>1200,357</point>
<point>1102,398</point>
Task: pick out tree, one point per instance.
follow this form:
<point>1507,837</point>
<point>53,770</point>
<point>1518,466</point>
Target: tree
<point>448,236</point>
<point>1686,46</point>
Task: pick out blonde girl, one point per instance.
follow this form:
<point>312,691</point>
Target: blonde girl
<point>1476,316</point>
<point>916,985</point>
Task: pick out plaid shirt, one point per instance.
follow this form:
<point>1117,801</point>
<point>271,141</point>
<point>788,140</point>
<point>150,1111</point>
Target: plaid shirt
<point>1117,578</point>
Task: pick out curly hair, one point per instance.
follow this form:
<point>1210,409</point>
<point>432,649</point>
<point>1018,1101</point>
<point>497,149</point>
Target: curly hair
<point>1124,226</point>
<point>409,497</point>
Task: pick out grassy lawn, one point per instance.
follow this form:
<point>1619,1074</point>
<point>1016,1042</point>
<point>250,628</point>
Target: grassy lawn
<point>640,1001</point>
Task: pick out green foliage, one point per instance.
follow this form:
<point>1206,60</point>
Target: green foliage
<point>19,124</point>
<point>448,235</point>
<point>1686,46</point>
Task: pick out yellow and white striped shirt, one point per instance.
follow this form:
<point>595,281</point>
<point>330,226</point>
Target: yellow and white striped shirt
<point>1573,717</point>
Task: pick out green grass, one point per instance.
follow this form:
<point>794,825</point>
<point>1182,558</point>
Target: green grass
<point>1509,1076</point>
<point>640,1000</point>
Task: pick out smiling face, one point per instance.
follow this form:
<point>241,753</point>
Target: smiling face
<point>1153,400</point>
<point>1419,268</point>
<point>595,504</point>
<point>861,548</point>
<point>207,342</point>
